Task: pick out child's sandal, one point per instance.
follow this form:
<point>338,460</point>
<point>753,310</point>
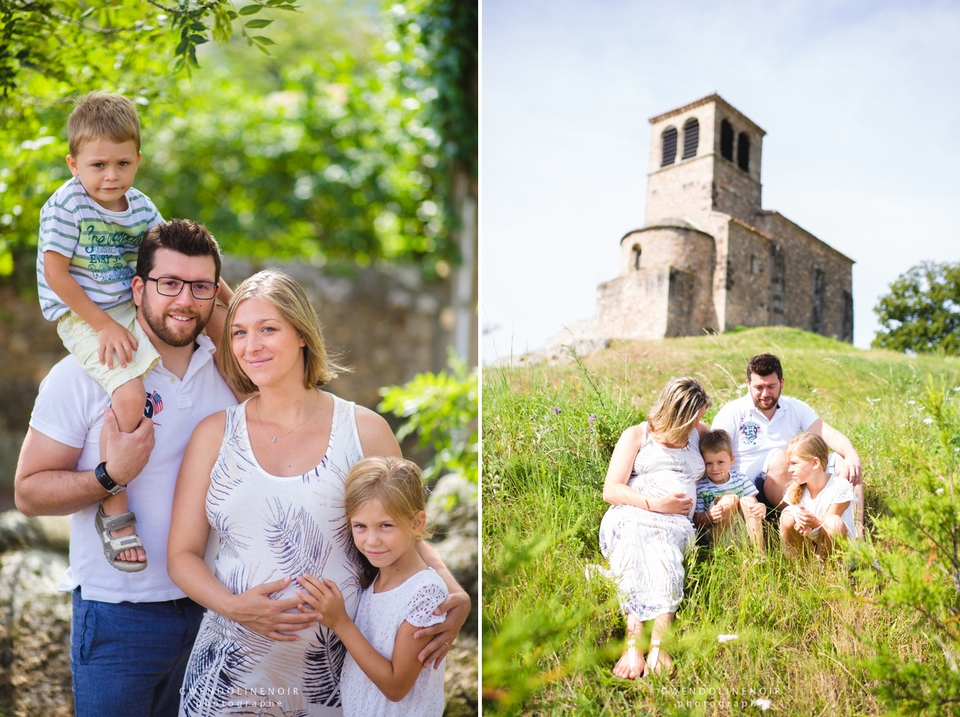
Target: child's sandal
<point>112,547</point>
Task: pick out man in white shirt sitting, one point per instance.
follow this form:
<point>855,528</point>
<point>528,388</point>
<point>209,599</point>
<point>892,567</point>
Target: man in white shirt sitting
<point>763,421</point>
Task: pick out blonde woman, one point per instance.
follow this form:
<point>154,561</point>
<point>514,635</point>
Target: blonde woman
<point>651,486</point>
<point>267,478</point>
<point>819,504</point>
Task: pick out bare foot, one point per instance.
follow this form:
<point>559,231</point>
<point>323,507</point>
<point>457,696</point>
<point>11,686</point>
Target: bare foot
<point>658,661</point>
<point>630,665</point>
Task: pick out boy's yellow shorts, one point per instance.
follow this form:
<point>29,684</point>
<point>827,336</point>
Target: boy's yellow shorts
<point>80,339</point>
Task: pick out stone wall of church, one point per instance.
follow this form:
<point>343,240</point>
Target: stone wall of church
<point>818,285</point>
<point>682,191</point>
<point>735,192</point>
<point>748,272</point>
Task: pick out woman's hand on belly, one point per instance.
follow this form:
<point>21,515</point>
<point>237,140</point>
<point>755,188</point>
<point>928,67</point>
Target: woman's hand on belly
<point>256,611</point>
<point>679,503</point>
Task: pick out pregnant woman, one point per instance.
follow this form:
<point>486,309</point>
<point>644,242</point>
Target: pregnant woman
<point>651,486</point>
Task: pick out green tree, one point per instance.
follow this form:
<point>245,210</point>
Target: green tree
<point>922,311</point>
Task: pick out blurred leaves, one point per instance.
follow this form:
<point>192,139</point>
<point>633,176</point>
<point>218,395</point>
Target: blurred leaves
<point>918,575</point>
<point>336,145</point>
<point>442,409</point>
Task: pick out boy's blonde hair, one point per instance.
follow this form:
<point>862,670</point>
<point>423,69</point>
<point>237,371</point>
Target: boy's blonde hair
<point>397,484</point>
<point>100,115</point>
<point>808,446</point>
<point>281,290</point>
<point>675,414</point>
<point>716,441</point>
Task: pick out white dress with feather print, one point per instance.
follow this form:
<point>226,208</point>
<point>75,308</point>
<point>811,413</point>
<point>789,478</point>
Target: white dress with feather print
<point>271,527</point>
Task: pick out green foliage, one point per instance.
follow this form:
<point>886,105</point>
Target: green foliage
<point>914,568</point>
<point>52,51</point>
<point>442,409</point>
<point>922,311</point>
<point>335,147</point>
<point>440,40</point>
<point>798,625</point>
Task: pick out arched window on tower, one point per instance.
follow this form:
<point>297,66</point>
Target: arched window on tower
<point>743,152</point>
<point>636,257</point>
<point>726,140</point>
<point>691,138</point>
<point>669,139</point>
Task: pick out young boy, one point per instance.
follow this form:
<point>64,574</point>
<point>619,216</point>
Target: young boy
<point>721,491</point>
<point>90,230</point>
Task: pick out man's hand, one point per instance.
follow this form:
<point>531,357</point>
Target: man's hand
<point>255,610</point>
<point>850,468</point>
<point>457,608</point>
<point>126,454</point>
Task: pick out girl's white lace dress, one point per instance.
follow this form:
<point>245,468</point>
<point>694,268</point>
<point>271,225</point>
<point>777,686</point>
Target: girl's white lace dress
<point>379,617</point>
<point>645,549</point>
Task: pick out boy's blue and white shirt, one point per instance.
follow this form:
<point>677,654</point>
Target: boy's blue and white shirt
<point>709,492</point>
<point>102,245</point>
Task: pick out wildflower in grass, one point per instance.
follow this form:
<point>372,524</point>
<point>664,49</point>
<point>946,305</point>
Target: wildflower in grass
<point>726,638</point>
<point>872,401</point>
<point>762,703</point>
<point>928,420</point>
<point>591,418</point>
<point>556,410</point>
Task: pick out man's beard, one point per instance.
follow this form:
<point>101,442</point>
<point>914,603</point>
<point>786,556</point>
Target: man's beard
<point>770,402</point>
<point>172,336</point>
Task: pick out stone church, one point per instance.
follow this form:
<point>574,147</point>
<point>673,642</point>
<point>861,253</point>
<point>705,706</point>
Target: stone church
<point>709,257</point>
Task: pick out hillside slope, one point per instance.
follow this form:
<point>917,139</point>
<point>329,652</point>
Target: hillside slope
<point>550,638</point>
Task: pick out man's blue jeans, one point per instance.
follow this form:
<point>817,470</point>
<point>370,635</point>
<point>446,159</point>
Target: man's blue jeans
<point>128,659</point>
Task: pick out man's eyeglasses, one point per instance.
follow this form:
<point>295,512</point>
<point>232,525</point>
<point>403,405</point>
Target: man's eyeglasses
<point>168,286</point>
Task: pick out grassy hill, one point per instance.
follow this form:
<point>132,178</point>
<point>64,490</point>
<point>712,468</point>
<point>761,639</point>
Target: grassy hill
<point>804,629</point>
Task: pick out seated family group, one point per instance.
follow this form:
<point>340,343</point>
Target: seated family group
<point>672,474</point>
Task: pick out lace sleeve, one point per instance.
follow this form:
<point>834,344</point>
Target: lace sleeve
<point>424,601</point>
<point>844,492</point>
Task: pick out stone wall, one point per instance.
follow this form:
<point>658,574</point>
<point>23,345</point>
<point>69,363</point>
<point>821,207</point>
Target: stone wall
<point>818,287</point>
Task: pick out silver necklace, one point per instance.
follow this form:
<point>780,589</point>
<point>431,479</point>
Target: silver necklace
<point>273,439</point>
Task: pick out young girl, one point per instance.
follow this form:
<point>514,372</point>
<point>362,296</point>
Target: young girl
<point>383,499</point>
<point>820,505</point>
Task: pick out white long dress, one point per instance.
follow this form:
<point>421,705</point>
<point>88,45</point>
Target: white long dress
<point>645,549</point>
<point>270,527</point>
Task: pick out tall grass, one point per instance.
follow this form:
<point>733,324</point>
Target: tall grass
<point>551,637</point>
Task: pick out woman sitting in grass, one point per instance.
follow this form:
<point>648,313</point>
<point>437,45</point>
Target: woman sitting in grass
<point>820,505</point>
<point>651,486</point>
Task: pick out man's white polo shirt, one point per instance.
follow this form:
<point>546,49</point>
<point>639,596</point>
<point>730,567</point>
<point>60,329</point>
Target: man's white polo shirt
<point>754,436</point>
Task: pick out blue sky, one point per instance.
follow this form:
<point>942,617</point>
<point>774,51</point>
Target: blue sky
<point>860,102</point>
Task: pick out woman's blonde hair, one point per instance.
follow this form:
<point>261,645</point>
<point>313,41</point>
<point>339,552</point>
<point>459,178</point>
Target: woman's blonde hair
<point>398,486</point>
<point>809,447</point>
<point>283,292</point>
<point>677,410</point>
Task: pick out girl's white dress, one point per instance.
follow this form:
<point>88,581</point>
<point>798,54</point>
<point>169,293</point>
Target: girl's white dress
<point>379,617</point>
<point>645,549</point>
<point>271,527</point>
<point>837,490</point>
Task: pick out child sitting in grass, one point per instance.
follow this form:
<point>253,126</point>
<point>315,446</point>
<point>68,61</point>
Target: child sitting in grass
<point>819,505</point>
<point>722,491</point>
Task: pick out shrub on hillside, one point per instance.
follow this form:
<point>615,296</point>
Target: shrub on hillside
<point>917,571</point>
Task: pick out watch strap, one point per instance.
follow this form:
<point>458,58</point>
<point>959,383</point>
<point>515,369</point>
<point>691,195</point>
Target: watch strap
<point>108,483</point>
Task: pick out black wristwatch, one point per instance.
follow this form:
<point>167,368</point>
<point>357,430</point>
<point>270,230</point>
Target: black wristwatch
<point>106,481</point>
